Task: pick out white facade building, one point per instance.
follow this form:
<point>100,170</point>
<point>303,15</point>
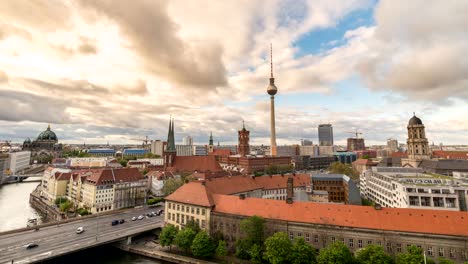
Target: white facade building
<point>312,151</point>
<point>187,140</point>
<point>157,147</point>
<point>411,188</point>
<point>184,150</point>
<point>87,162</point>
<point>19,161</point>
<point>154,162</point>
<point>199,150</point>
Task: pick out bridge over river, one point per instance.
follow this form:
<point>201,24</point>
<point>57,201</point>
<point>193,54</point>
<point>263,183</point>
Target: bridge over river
<point>56,239</point>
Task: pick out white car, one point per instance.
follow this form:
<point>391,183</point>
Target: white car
<point>134,218</point>
<point>140,217</point>
<point>80,230</point>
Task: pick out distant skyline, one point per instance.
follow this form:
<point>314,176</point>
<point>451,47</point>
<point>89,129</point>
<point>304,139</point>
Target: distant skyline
<point>101,71</point>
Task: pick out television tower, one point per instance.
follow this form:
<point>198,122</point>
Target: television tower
<point>272,90</point>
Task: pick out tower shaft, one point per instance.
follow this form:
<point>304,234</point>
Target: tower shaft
<point>272,127</point>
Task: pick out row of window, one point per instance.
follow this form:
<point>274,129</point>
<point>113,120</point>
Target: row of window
<point>389,246</point>
<point>184,219</point>
<point>187,209</point>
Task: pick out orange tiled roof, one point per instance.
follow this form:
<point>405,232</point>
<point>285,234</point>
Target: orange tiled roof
<point>450,154</point>
<point>238,184</point>
<point>111,175</point>
<point>220,152</point>
<point>197,163</point>
<point>392,219</point>
<point>192,193</point>
<point>399,155</point>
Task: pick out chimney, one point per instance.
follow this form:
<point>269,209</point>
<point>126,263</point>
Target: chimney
<point>203,183</point>
<point>289,200</point>
<point>289,189</point>
<point>377,207</point>
<point>242,196</point>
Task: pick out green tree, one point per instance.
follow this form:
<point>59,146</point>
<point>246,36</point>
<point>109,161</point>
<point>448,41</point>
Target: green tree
<point>184,239</point>
<point>335,253</point>
<point>253,230</point>
<point>302,253</point>
<point>221,249</point>
<point>60,200</point>
<point>167,236</point>
<point>123,162</point>
<point>445,261</point>
<point>170,185</point>
<point>365,157</point>
<point>202,245</point>
<point>414,255</point>
<point>341,168</point>
<point>255,253</point>
<point>193,225</point>
<point>277,248</point>
<point>242,249</point>
<point>65,206</point>
<point>373,254</point>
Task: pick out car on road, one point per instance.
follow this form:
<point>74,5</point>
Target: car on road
<point>31,245</point>
<point>80,230</point>
<point>115,222</point>
<point>121,221</point>
<point>160,212</point>
<point>149,215</point>
<point>134,218</point>
<point>140,217</point>
<point>153,214</point>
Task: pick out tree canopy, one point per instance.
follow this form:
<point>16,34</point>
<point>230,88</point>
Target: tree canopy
<point>302,253</point>
<point>167,236</point>
<point>346,169</point>
<point>202,245</point>
<point>184,238</point>
<point>277,248</point>
<point>170,185</point>
<point>373,254</point>
<point>414,255</point>
<point>253,230</point>
<point>336,253</point>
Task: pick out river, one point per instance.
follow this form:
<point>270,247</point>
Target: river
<point>15,211</point>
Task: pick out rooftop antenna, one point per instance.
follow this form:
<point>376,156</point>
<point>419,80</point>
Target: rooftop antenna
<point>271,60</point>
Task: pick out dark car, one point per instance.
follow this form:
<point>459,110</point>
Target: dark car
<point>115,222</point>
<point>31,245</point>
<point>121,221</point>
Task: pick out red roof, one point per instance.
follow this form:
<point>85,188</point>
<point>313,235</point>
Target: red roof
<point>399,155</point>
<point>192,193</point>
<point>238,184</point>
<point>450,154</point>
<point>220,152</point>
<point>392,219</point>
<point>196,163</point>
<point>112,175</point>
<point>364,162</point>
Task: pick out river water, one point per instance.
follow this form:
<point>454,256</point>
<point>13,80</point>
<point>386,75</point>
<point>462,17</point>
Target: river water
<point>15,211</point>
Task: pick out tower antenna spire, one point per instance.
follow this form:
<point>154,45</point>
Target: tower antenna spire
<point>271,60</point>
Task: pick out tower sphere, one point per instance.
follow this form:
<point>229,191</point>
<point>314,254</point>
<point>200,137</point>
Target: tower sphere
<point>272,90</point>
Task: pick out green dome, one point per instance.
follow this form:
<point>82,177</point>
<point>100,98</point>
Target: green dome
<point>47,135</point>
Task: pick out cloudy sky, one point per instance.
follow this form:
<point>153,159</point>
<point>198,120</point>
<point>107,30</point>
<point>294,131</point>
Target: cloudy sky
<point>115,70</point>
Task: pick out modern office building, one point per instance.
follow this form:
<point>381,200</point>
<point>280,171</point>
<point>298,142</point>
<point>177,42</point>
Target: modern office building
<point>157,147</point>
<point>325,134</point>
<point>184,150</point>
<point>412,188</point>
<point>187,140</point>
<point>199,150</point>
<point>306,142</point>
<point>345,157</point>
<point>19,161</point>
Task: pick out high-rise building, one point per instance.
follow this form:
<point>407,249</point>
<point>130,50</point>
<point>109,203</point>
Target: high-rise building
<point>244,137</point>
<point>305,142</point>
<point>392,144</point>
<point>356,144</point>
<point>187,140</point>
<point>272,90</point>
<point>157,147</point>
<point>325,134</point>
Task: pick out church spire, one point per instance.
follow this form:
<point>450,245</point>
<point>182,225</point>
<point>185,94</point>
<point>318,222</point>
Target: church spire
<point>170,137</point>
<point>211,139</point>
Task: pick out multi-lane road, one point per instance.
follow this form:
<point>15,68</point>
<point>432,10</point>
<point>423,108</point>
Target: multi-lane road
<point>62,238</point>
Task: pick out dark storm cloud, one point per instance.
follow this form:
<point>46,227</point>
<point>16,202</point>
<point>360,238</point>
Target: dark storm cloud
<point>154,36</point>
<point>20,106</point>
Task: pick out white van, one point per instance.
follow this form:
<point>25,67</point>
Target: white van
<point>80,230</point>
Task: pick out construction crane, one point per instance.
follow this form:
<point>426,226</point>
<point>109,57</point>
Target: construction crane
<point>355,133</point>
<point>145,140</point>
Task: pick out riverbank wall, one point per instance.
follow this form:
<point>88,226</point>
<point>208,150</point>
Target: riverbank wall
<point>49,212</point>
<point>155,253</point>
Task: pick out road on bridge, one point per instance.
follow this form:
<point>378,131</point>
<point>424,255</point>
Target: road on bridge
<point>62,238</point>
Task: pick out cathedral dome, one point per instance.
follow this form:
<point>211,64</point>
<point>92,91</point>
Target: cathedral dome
<point>414,121</point>
<point>28,140</point>
<point>47,135</point>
